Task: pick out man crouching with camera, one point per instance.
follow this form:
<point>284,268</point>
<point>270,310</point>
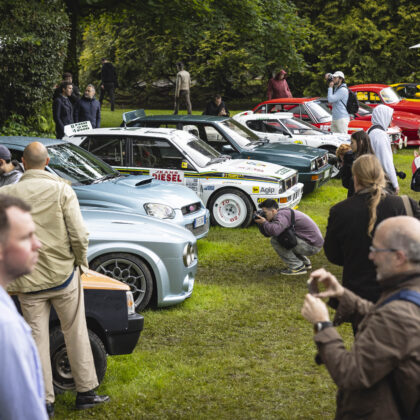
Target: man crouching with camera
<point>294,235</point>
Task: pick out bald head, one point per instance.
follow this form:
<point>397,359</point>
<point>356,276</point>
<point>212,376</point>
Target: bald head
<point>403,233</point>
<point>35,156</point>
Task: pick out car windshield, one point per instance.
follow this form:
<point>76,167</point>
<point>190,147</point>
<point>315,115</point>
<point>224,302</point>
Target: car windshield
<point>389,96</point>
<point>296,126</point>
<point>199,151</point>
<point>241,134</point>
<point>322,114</point>
<point>78,165</point>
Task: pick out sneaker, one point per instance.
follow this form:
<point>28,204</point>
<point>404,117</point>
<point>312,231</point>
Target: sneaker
<point>89,399</point>
<point>308,266</point>
<point>294,271</point>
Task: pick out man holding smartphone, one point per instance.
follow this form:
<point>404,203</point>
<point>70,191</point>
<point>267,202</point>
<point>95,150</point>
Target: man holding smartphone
<point>379,378</point>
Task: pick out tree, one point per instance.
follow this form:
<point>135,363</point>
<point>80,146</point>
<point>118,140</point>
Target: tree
<point>33,42</point>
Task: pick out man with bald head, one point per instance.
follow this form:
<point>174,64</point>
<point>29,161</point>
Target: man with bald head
<point>56,278</point>
<point>379,378</point>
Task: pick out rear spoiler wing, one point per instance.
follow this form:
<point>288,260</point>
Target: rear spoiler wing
<point>132,116</point>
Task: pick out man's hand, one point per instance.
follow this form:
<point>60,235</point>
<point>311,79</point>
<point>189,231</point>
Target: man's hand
<point>332,287</point>
<point>314,310</point>
<point>260,220</point>
<point>331,84</point>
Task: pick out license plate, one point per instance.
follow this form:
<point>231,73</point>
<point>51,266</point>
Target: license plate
<point>200,221</point>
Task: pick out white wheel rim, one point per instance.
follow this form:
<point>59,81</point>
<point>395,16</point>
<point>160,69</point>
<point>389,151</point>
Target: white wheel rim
<point>229,210</point>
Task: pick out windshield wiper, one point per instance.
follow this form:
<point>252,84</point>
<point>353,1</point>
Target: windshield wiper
<point>106,177</point>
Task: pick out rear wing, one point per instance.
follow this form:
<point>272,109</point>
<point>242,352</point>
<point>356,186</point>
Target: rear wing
<point>73,129</point>
<point>132,116</point>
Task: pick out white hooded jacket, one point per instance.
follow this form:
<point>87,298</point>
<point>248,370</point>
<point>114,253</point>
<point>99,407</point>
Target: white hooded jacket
<point>380,142</point>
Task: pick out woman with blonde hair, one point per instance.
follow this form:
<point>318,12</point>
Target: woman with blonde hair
<point>352,222</point>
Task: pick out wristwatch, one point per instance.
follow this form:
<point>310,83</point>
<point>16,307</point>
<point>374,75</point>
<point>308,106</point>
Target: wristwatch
<point>319,326</point>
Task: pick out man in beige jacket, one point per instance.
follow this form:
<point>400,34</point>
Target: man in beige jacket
<point>182,88</point>
<point>56,278</point>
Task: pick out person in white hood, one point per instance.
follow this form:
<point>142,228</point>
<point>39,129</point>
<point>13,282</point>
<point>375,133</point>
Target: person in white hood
<point>381,145</point>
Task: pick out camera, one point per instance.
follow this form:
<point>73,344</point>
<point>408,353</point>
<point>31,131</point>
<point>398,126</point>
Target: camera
<point>259,213</point>
<point>329,77</point>
<point>400,174</point>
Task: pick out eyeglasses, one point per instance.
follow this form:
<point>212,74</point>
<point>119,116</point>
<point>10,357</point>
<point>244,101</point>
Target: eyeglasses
<point>373,249</point>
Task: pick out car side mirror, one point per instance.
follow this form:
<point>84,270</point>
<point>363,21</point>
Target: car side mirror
<point>227,149</point>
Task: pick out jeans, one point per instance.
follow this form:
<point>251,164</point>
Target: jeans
<point>297,256</point>
<point>109,87</point>
<point>185,95</point>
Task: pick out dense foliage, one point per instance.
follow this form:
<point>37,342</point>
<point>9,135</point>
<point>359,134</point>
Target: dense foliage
<point>33,37</point>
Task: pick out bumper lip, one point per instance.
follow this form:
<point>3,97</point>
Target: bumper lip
<point>289,194</point>
<point>124,341</point>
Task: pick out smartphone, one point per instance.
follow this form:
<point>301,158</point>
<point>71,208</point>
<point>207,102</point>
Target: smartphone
<point>312,286</point>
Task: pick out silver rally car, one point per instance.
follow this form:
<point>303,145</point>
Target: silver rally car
<point>230,189</point>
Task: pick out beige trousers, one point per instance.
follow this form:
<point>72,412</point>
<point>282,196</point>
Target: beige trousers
<point>70,307</point>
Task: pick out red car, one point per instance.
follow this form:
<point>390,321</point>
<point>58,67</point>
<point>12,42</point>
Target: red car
<point>316,112</point>
<point>406,113</point>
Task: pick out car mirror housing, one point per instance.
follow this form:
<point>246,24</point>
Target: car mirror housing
<point>228,149</point>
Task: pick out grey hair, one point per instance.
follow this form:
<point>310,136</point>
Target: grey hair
<point>90,85</point>
<point>405,240</point>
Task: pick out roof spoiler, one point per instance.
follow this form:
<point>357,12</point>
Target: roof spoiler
<point>132,116</point>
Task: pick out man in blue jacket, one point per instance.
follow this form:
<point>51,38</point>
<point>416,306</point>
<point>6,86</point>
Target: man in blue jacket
<point>338,94</point>
<point>88,108</point>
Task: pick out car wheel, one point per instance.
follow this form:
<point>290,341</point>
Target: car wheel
<point>132,271</point>
<point>231,208</point>
<point>61,372</point>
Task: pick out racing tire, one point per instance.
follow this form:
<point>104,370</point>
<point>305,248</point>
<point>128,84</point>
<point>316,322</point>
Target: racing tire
<point>132,271</point>
<point>230,208</point>
<point>61,372</point>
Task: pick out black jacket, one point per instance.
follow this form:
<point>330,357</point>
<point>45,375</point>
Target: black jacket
<point>347,243</point>
<point>108,74</point>
<point>88,110</point>
<point>346,174</point>
<point>62,114</point>
<point>213,109</point>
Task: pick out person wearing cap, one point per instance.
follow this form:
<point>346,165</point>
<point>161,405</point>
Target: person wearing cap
<point>338,95</point>
<point>10,170</point>
<point>278,87</point>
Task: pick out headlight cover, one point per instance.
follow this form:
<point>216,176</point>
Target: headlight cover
<point>131,307</point>
<point>313,165</point>
<point>161,211</point>
<point>188,255</point>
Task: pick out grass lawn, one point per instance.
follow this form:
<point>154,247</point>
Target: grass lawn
<point>238,348</point>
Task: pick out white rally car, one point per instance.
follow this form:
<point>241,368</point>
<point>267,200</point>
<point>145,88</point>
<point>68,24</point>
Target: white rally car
<point>284,127</point>
<point>231,189</point>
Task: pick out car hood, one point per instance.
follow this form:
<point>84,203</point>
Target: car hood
<point>406,119</point>
<point>115,225</point>
<point>290,150</point>
<point>133,191</point>
<point>253,168</point>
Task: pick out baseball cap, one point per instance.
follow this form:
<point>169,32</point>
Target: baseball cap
<point>4,153</point>
<point>339,74</point>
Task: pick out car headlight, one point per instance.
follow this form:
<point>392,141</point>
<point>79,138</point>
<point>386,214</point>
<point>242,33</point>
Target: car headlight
<point>188,255</point>
<point>131,307</point>
<point>161,211</point>
<point>313,165</point>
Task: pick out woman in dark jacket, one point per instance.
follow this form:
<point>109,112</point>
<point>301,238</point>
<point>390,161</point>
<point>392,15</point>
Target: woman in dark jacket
<point>360,145</point>
<point>352,222</point>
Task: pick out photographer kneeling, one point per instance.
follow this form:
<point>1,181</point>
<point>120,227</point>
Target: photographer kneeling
<point>294,235</point>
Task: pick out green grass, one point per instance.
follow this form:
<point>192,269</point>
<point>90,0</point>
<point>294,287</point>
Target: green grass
<point>238,348</point>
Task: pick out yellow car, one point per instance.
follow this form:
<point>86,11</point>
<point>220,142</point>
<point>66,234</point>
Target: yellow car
<point>408,91</point>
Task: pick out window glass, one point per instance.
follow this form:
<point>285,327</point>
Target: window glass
<point>389,95</point>
<point>108,148</point>
<point>156,153</point>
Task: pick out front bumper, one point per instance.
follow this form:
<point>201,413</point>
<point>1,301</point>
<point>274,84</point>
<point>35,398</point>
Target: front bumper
<point>124,341</point>
<point>290,198</point>
<point>313,180</point>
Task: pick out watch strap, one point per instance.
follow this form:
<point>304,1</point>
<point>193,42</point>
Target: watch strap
<point>319,326</point>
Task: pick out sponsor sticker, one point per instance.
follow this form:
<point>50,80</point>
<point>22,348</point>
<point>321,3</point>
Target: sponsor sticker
<point>298,142</point>
<point>267,190</point>
<point>261,199</point>
<point>255,190</point>
<point>209,188</point>
<point>184,165</point>
<point>167,175</point>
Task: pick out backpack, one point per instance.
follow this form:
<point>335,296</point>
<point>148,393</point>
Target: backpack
<point>415,181</point>
<point>352,105</point>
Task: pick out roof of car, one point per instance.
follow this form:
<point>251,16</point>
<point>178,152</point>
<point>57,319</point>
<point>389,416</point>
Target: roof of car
<point>127,131</point>
<point>24,141</point>
<point>272,116</point>
<point>286,100</point>
<point>369,86</point>
<point>182,118</point>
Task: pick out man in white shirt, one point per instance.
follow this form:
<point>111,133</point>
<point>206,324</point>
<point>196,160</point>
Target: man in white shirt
<point>182,88</point>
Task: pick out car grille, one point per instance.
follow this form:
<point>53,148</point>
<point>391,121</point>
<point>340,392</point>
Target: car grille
<point>200,230</point>
<point>290,182</point>
<point>191,208</point>
<point>321,161</point>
